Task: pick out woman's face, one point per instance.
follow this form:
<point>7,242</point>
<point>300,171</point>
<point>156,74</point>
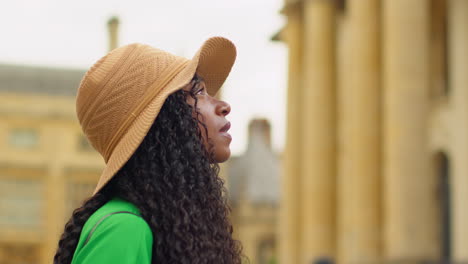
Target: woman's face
<point>213,115</point>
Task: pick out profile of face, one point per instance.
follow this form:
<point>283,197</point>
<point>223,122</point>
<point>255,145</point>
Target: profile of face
<point>213,115</point>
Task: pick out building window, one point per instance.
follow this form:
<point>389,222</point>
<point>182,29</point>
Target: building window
<point>84,145</point>
<point>341,5</point>
<point>77,192</point>
<point>21,203</point>
<point>439,59</point>
<point>445,206</point>
<point>19,253</point>
<point>24,138</point>
<point>266,251</point>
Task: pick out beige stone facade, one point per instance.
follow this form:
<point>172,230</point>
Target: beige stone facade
<point>47,167</point>
<point>376,157</point>
<point>253,188</point>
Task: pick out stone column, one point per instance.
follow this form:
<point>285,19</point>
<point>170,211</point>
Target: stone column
<point>458,72</point>
<point>344,52</point>
<point>289,217</point>
<point>113,30</point>
<point>360,176</point>
<point>55,186</point>
<point>409,191</point>
<point>318,137</point>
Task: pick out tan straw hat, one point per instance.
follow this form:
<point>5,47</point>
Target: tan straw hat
<point>122,93</point>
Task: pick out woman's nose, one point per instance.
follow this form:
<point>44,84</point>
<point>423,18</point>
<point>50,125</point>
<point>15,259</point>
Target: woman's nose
<point>223,108</point>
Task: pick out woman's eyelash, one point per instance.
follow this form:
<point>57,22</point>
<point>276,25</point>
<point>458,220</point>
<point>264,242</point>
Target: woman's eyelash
<point>200,90</point>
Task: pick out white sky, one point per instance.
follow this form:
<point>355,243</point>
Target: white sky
<point>73,34</point>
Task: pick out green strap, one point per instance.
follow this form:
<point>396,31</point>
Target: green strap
<point>102,219</point>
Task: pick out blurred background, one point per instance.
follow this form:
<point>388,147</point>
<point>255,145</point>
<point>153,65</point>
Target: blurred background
<point>350,122</point>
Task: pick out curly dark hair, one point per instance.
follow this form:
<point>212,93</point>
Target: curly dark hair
<point>173,180</point>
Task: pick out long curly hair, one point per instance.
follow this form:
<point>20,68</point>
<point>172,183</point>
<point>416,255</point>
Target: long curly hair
<point>173,180</point>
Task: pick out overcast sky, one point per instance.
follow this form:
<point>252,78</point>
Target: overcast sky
<point>73,34</point>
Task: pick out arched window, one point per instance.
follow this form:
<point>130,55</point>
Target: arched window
<point>445,205</point>
<point>341,5</point>
<point>440,85</point>
<point>266,251</point>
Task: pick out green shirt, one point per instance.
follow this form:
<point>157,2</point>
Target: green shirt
<point>121,238</point>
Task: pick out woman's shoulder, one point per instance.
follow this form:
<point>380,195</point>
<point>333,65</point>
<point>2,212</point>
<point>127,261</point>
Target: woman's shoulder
<point>115,205</point>
<point>115,211</point>
<point>116,225</point>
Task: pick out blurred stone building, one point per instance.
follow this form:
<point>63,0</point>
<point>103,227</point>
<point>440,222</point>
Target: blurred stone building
<point>47,166</point>
<point>376,157</point>
<point>253,187</point>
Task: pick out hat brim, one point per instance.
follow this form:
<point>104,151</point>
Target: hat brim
<point>213,61</point>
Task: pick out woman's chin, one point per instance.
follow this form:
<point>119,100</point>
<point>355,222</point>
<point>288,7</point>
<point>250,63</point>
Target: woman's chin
<point>223,155</point>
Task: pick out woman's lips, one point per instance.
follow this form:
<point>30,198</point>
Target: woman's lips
<point>227,135</point>
<point>226,127</point>
<point>224,130</point>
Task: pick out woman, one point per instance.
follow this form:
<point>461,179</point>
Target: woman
<point>153,118</point>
